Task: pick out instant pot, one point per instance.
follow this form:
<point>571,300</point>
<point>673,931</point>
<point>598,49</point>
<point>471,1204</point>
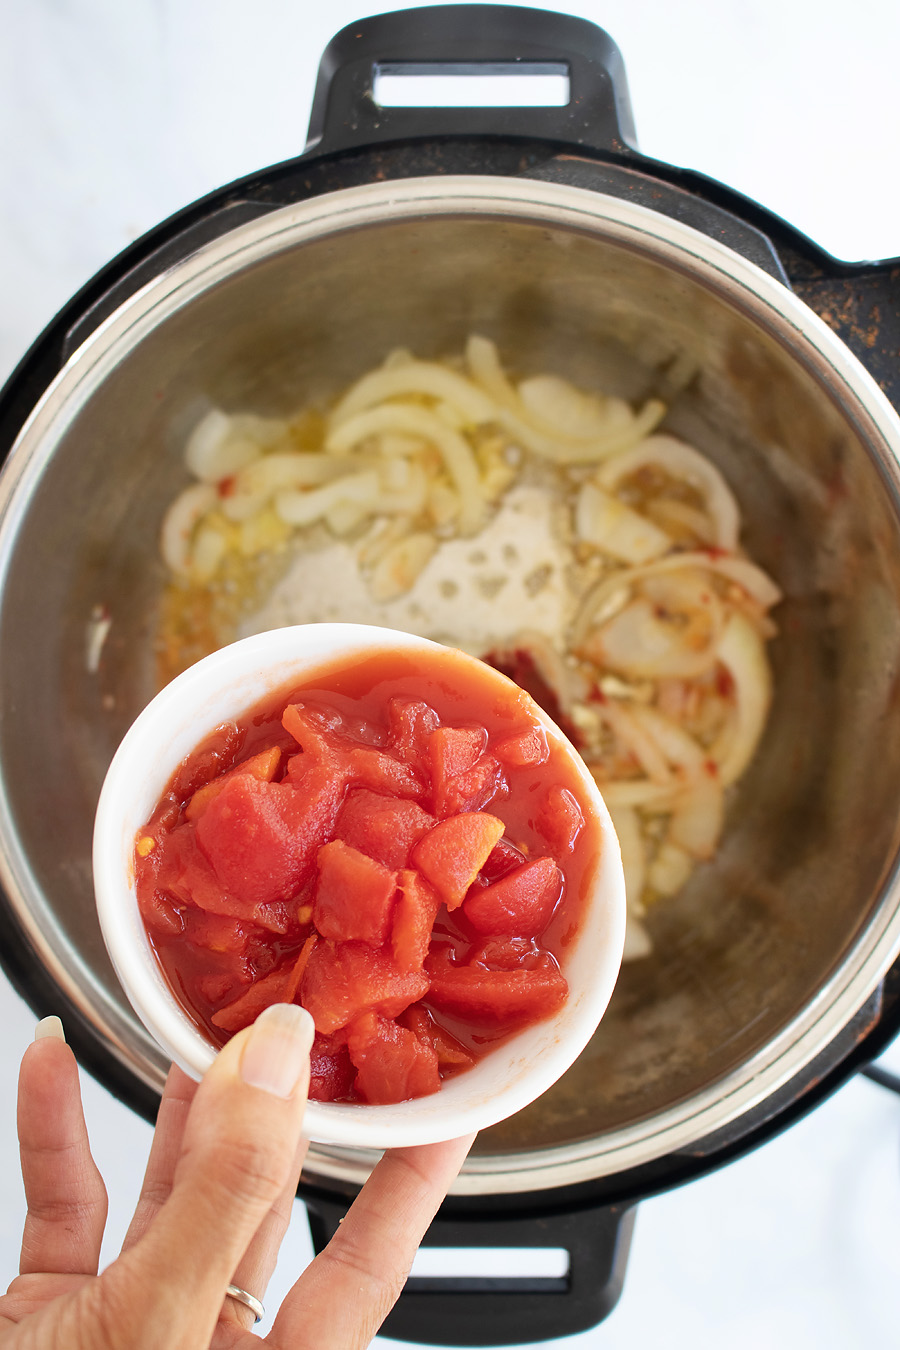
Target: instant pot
<point>774,974</point>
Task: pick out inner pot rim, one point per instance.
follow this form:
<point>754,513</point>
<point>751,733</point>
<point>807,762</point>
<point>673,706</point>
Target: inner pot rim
<point>738,283</point>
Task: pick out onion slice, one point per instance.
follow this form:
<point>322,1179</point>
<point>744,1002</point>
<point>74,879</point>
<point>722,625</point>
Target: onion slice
<point>743,653</point>
<point>683,462</point>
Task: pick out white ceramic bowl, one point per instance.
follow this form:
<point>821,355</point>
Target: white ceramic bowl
<point>224,687</point>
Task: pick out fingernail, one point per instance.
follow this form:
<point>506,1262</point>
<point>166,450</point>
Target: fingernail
<point>277,1051</point>
<point>49,1028</point>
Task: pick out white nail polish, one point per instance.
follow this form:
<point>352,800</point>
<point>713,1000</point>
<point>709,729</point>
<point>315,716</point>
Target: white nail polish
<point>49,1028</point>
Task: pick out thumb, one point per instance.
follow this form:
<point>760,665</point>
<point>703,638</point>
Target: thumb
<point>239,1149</point>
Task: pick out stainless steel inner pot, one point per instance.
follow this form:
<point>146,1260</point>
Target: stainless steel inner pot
<point>770,949</point>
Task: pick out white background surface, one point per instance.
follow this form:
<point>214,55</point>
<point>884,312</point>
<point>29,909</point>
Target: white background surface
<point>113,115</point>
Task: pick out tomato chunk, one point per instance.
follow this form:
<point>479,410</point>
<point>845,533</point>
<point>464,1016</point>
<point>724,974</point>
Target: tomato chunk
<point>354,895</point>
<point>247,1006</point>
<point>519,904</point>
<point>560,819</point>
<point>502,859</point>
<point>453,853</point>
<point>451,1053</point>
<point>331,1073</point>
<point>524,749</point>
<point>452,751</point>
<point>496,996</point>
<point>410,723</point>
<point>392,1064</point>
<point>414,919</point>
<point>342,981</point>
<point>383,827</point>
<point>262,838</point>
<point>263,766</point>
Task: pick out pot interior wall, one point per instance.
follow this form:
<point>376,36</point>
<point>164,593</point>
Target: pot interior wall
<point>812,828</point>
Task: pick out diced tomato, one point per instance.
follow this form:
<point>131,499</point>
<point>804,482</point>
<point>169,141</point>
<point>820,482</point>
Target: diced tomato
<point>343,980</point>
<point>478,787</point>
<point>158,911</point>
<point>520,904</point>
<point>503,858</point>
<point>371,768</point>
<point>308,731</point>
<point>331,1073</point>
<point>383,827</point>
<point>216,932</point>
<point>524,749</point>
<point>263,766</point>
<point>414,918</point>
<point>496,997</point>
<point>392,1064</point>
<point>453,750</point>
<point>278,916</point>
<point>463,777</point>
<point>451,1053</point>
<point>262,838</point>
<point>453,853</point>
<point>292,987</point>
<point>216,987</point>
<point>354,895</point>
<point>247,1006</point>
<point>560,820</point>
<point>214,756</point>
<point>506,953</point>
<point>410,723</point>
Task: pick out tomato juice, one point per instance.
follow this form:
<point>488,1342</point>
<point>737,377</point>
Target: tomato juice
<point>398,845</point>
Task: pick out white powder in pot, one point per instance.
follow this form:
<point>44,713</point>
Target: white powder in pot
<point>475,593</point>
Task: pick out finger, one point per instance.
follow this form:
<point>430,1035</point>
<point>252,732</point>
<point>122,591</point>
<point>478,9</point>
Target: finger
<point>64,1191</point>
<point>255,1269</point>
<point>164,1153</point>
<point>238,1151</point>
<point>341,1300</point>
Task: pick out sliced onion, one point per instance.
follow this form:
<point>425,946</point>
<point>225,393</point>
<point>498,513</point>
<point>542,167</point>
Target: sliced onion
<point>511,412</point>
<point>623,792</point>
<point>651,640</point>
<point>613,590</point>
<point>611,526</point>
<point>415,377</point>
<point>629,730</point>
<point>254,485</point>
<point>677,745</point>
<point>634,859</point>
<point>696,823</point>
<point>742,652</point>
<point>688,465</point>
<point>302,508</point>
<point>637,940</point>
<point>179,524</point>
<point>209,548</point>
<point>557,407</point>
<point>455,450</point>
<point>221,445</point>
<point>399,567</point>
<point>670,869</point>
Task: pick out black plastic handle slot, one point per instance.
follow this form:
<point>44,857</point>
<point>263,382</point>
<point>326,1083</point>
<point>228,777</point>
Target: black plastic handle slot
<point>506,1309</point>
<point>346,114</point>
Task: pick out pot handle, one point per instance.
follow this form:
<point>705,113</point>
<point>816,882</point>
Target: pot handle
<point>465,40</point>
<point>509,1310</point>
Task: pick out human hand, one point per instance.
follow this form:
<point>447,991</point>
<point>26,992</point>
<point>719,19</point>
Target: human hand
<point>214,1207</point>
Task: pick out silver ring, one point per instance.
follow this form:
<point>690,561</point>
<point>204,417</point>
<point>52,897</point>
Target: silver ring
<point>248,1300</point>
